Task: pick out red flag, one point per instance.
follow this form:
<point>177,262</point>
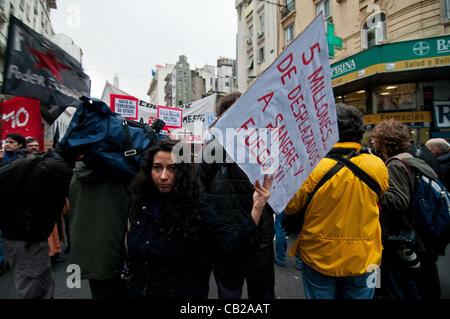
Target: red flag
<point>23,115</point>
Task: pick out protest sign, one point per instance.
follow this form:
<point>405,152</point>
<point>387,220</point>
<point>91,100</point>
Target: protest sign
<point>23,116</point>
<point>127,106</point>
<point>286,121</point>
<point>192,130</point>
<point>194,119</point>
<point>173,117</point>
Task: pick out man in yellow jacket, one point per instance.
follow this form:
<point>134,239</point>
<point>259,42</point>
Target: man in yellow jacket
<point>340,241</point>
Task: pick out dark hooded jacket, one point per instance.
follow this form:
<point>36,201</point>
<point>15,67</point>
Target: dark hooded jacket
<point>230,193</point>
<point>444,164</point>
<point>32,210</point>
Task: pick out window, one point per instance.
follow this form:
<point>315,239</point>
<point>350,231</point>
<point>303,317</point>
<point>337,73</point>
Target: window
<point>250,31</point>
<point>446,9</point>
<point>288,34</point>
<point>261,55</point>
<point>290,5</point>
<point>324,6</point>
<point>396,97</point>
<point>250,63</point>
<point>374,31</point>
<point>357,99</point>
<point>261,23</point>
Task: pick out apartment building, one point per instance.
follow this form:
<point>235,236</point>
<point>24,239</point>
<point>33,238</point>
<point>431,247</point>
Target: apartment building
<point>156,92</point>
<point>256,39</point>
<point>391,59</point>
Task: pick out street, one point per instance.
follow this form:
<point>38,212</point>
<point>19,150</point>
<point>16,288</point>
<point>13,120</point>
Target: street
<point>288,281</point>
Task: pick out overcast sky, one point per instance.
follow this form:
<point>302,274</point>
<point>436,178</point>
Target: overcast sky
<point>128,38</point>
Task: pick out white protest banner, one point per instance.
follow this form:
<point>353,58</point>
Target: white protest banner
<point>127,106</point>
<point>286,121</point>
<point>171,116</point>
<point>193,120</point>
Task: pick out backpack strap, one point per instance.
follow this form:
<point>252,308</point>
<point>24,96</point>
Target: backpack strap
<point>369,181</point>
<point>413,177</point>
<point>337,155</point>
<point>410,172</point>
<point>336,168</point>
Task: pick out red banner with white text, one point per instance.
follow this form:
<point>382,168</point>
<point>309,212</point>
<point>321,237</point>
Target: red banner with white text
<point>23,116</point>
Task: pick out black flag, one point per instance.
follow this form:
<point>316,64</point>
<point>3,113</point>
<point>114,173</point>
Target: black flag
<point>37,68</point>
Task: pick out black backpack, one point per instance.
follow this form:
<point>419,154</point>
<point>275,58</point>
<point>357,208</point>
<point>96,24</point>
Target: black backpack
<point>424,153</point>
<point>33,190</point>
<point>12,173</point>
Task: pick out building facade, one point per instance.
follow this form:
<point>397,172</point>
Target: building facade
<point>179,85</point>
<point>34,13</point>
<point>198,85</point>
<point>156,92</point>
<point>181,82</point>
<point>394,61</point>
<point>208,72</point>
<point>256,39</point>
<point>225,76</point>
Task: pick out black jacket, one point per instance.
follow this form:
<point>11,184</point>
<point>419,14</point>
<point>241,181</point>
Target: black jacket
<point>32,211</point>
<point>230,193</point>
<point>444,164</point>
<point>177,268</point>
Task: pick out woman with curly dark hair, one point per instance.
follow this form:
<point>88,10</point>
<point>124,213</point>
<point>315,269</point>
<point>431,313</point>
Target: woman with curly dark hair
<point>170,225</point>
<point>408,267</point>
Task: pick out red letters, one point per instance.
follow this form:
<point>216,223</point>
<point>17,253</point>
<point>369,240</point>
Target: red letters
<point>266,99</point>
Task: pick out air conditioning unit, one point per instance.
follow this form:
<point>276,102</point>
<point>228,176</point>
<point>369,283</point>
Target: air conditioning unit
<point>260,34</point>
<point>249,41</point>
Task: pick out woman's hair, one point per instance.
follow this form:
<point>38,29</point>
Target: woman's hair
<point>350,123</point>
<point>393,136</point>
<point>227,101</point>
<point>180,213</point>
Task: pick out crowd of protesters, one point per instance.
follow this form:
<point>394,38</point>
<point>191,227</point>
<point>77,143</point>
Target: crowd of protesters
<point>162,236</point>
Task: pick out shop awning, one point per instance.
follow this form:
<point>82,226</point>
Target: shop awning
<point>408,61</point>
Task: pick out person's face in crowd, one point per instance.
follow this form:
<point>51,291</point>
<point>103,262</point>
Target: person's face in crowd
<point>163,171</point>
<point>33,147</point>
<point>12,145</point>
<point>378,148</point>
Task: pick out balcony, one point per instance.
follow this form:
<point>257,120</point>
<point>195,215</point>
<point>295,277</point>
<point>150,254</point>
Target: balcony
<point>287,9</point>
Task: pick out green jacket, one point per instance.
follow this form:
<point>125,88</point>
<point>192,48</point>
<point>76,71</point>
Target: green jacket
<point>396,216</point>
<point>98,214</point>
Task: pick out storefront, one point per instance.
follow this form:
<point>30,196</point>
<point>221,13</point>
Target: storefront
<point>408,81</point>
